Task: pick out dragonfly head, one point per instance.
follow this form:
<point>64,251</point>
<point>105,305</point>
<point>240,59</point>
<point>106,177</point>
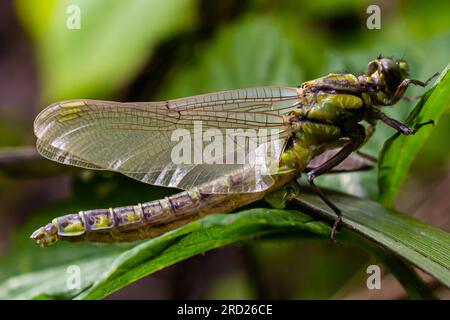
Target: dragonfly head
<point>46,235</point>
<point>387,73</point>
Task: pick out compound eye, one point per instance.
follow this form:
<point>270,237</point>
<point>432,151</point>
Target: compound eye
<point>391,72</point>
<point>372,67</point>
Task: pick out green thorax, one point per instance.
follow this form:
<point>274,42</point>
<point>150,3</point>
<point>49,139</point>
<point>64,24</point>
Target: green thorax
<point>328,108</point>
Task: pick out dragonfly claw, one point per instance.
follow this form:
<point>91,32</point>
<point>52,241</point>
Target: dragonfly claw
<point>46,235</point>
<point>336,226</point>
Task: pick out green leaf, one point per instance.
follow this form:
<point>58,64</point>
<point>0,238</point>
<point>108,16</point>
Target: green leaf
<point>418,243</point>
<point>399,151</point>
<point>412,283</point>
<point>115,38</point>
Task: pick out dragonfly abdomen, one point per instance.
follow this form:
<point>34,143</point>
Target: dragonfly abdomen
<point>146,220</point>
<point>113,222</point>
<point>149,213</point>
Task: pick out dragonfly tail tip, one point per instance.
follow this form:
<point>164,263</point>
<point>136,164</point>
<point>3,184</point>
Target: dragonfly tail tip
<point>46,235</point>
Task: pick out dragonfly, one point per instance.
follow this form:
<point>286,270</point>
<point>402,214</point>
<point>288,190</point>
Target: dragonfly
<point>142,140</point>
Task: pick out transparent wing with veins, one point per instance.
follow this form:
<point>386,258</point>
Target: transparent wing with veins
<point>137,139</point>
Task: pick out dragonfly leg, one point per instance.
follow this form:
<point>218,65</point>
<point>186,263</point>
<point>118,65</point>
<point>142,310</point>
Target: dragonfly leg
<point>324,168</point>
<point>412,99</point>
<point>367,156</point>
<point>369,131</point>
<point>397,125</point>
<point>401,89</point>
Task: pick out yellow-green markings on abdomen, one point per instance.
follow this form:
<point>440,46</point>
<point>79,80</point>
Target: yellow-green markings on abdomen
<point>75,227</point>
<point>102,221</point>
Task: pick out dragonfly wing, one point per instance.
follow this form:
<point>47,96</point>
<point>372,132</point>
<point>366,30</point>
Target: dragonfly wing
<point>53,153</point>
<point>254,175</point>
<point>141,139</point>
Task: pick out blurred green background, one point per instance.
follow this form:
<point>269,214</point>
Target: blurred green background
<point>161,49</point>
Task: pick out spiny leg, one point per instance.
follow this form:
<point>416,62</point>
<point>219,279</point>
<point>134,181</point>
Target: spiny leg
<point>417,126</point>
<point>397,125</point>
<point>401,89</point>
<point>290,196</point>
<point>325,167</point>
<point>367,156</point>
<point>412,99</point>
<point>369,131</point>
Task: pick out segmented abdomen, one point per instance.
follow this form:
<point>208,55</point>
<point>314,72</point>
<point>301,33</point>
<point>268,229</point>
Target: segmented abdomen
<point>127,218</point>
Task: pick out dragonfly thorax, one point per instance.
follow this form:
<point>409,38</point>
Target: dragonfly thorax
<point>328,109</point>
